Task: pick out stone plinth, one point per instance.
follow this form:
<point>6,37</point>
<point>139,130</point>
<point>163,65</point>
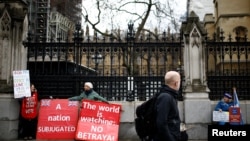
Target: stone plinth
<point>9,117</point>
<point>197,113</point>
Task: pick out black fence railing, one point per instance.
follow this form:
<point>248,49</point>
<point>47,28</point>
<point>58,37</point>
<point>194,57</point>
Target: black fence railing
<point>132,69</point>
<point>228,66</point>
<point>127,69</point>
<point>113,88</point>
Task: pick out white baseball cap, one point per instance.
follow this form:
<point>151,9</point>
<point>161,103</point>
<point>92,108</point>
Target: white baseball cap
<point>89,84</point>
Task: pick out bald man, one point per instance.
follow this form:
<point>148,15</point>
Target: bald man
<point>167,115</point>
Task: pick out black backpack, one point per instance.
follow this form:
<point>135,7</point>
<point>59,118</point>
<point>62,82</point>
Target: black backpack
<point>145,122</point>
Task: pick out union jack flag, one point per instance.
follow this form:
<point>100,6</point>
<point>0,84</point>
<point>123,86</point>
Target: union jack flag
<point>73,103</point>
<point>45,102</point>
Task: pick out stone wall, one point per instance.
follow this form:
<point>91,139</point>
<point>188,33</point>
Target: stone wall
<point>196,117</point>
<point>9,117</point>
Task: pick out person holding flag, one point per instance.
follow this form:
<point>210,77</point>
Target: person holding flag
<point>236,105</point>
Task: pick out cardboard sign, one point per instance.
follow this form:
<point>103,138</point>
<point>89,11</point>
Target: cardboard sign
<point>234,115</point>
<point>98,121</point>
<point>57,119</point>
<point>21,79</point>
<point>220,116</point>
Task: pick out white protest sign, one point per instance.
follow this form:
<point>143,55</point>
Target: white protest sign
<point>21,81</point>
<point>220,116</point>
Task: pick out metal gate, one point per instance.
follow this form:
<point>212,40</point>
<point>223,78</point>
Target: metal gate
<point>123,69</point>
<point>228,66</point>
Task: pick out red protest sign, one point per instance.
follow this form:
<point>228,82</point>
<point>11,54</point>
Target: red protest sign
<point>98,121</point>
<point>29,106</point>
<point>57,119</point>
<point>234,115</point>
<point>88,131</point>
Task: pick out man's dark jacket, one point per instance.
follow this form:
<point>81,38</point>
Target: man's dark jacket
<point>167,115</point>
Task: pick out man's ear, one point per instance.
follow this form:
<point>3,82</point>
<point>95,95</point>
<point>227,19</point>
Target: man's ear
<point>176,83</point>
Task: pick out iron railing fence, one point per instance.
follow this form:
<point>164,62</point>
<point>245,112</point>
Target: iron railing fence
<point>113,88</point>
<point>124,70</point>
<point>130,69</point>
<point>228,66</point>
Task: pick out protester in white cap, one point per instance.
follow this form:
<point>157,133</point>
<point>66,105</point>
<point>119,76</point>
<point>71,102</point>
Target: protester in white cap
<point>88,84</point>
<point>88,93</point>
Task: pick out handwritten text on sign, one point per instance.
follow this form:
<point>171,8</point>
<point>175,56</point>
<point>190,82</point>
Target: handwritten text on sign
<point>21,81</point>
<point>57,119</point>
<point>220,116</point>
<point>98,121</point>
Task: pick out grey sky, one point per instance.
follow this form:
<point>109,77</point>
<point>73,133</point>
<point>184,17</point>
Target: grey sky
<point>121,20</point>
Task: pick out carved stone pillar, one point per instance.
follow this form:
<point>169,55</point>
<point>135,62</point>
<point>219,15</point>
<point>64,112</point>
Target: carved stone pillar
<point>197,106</point>
<point>13,26</point>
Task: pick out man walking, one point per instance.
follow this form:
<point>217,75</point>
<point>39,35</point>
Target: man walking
<point>167,117</point>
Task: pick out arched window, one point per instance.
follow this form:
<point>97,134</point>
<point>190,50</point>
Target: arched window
<point>240,33</point>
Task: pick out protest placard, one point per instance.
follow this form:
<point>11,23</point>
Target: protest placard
<point>220,116</point>
<point>21,79</point>
<point>234,115</point>
<point>57,119</point>
<point>98,121</point>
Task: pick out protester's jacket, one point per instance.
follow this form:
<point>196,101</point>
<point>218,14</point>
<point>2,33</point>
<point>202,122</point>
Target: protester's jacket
<point>223,105</point>
<point>91,95</point>
<point>167,117</point>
